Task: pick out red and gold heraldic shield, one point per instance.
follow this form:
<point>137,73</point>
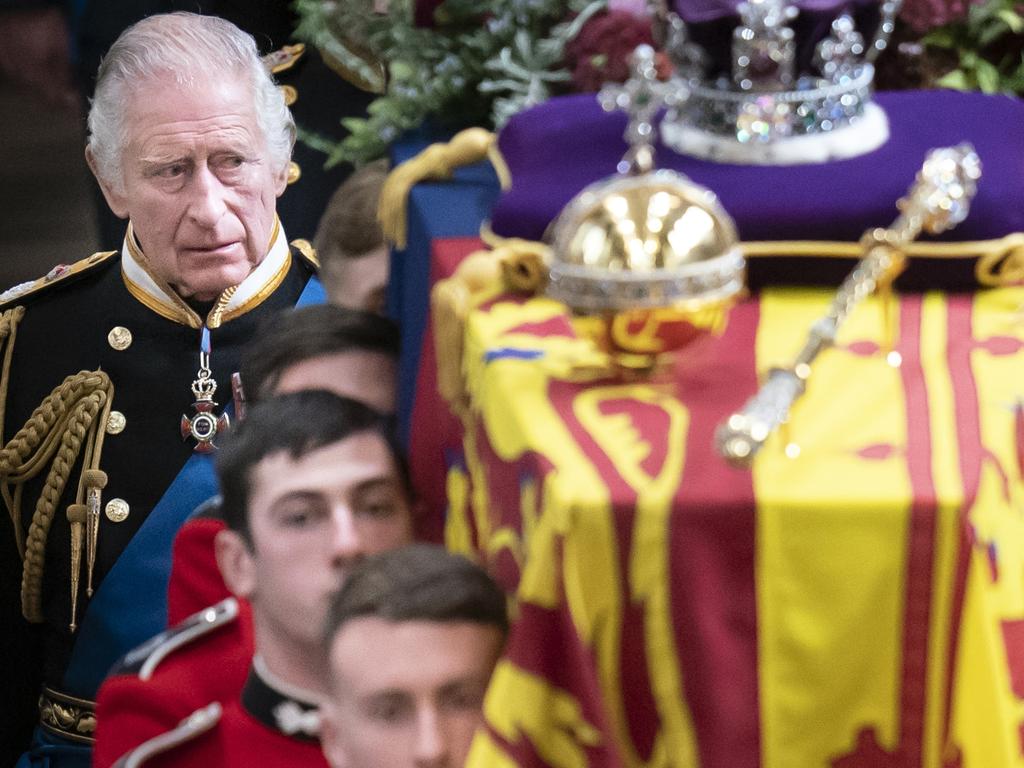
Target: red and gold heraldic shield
<point>856,600</point>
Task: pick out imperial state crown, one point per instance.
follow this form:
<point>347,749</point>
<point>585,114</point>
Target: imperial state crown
<point>775,82</point>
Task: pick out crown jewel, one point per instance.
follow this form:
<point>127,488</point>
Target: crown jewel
<point>766,108</point>
<point>643,238</point>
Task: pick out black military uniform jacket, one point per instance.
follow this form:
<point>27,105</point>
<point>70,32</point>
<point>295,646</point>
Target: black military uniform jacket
<point>319,98</point>
<point>107,313</point>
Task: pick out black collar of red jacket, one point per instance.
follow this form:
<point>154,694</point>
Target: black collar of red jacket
<point>280,707</point>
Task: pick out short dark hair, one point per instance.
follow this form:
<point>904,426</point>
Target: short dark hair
<point>418,582</point>
<point>297,423</point>
<point>296,335</point>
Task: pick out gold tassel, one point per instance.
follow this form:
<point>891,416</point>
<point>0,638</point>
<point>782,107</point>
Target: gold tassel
<point>435,162</point>
<point>76,516</point>
<point>95,481</point>
<point>450,302</point>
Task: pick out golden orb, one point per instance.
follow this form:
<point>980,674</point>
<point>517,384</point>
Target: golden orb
<point>654,255</point>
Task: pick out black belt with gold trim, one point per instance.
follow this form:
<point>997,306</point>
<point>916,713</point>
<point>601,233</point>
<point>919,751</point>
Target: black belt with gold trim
<point>67,716</point>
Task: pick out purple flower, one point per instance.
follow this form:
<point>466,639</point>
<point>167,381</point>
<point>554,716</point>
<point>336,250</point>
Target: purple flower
<point>637,8</point>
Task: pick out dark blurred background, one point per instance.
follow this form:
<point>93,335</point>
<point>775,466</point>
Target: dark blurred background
<point>47,215</point>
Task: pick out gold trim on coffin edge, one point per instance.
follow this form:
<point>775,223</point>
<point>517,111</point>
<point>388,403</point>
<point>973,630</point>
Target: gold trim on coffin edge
<point>1000,261</point>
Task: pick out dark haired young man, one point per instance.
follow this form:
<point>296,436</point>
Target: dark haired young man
<point>311,483</point>
<point>346,351</point>
<point>350,353</point>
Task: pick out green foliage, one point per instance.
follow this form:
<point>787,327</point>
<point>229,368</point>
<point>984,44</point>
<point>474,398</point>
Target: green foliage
<point>483,61</point>
<point>989,46</point>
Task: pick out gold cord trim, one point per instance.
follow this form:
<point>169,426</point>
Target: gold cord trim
<point>8,333</point>
<point>53,438</point>
<point>500,166</point>
<point>1000,262</point>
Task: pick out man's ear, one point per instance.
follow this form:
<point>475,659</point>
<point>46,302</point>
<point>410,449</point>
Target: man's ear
<point>281,180</point>
<point>331,742</point>
<point>118,201</point>
<point>236,563</point>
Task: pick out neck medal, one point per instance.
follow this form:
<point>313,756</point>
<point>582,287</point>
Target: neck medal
<point>203,426</point>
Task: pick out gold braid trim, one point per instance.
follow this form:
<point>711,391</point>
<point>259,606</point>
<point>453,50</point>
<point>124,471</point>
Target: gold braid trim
<point>8,333</point>
<point>524,263</point>
<point>55,431</point>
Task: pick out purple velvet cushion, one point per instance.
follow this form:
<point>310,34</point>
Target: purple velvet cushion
<point>556,149</point>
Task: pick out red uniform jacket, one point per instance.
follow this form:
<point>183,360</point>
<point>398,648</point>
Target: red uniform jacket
<point>204,658</point>
<point>248,731</point>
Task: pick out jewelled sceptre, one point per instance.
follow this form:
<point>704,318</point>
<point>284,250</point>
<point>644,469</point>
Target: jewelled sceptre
<point>939,200</point>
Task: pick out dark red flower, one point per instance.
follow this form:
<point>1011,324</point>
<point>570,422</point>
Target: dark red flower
<point>923,15</point>
<point>424,12</point>
<point>600,52</point>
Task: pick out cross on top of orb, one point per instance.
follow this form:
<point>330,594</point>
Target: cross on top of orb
<point>641,97</point>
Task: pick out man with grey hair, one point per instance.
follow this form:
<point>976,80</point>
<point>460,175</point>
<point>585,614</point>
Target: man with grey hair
<point>116,369</point>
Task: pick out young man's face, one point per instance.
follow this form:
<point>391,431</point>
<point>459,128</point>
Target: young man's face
<point>406,694</point>
<point>311,520</point>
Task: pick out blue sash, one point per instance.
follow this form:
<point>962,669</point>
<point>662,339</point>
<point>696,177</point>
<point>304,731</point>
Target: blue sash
<point>130,605</point>
<point>49,751</point>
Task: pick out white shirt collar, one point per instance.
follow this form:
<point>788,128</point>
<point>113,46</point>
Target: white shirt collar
<point>161,298</point>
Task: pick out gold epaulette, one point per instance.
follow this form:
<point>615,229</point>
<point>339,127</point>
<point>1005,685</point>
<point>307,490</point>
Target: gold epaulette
<point>196,724</point>
<point>307,250</point>
<point>55,276</point>
<point>283,59</point>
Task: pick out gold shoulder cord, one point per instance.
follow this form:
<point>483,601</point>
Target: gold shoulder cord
<point>53,436</point>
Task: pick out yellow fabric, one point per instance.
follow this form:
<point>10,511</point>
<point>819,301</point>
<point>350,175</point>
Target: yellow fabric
<point>832,537</point>
<point>987,715</point>
<point>529,705</point>
<point>817,603</point>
